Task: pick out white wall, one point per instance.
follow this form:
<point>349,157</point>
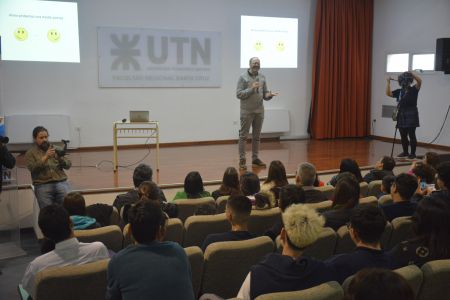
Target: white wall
<point>185,114</point>
<point>411,26</point>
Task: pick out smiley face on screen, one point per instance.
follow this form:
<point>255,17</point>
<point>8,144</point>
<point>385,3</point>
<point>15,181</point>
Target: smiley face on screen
<point>280,46</point>
<point>258,46</point>
<point>53,35</point>
<point>21,34</point>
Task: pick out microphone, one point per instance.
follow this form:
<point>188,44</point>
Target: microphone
<point>257,89</point>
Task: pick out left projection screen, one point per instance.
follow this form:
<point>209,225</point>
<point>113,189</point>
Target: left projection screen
<point>39,31</point>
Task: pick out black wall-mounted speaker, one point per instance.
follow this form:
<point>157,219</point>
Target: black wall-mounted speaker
<point>442,58</point>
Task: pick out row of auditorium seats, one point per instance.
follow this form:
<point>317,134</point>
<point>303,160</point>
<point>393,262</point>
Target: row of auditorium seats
<point>196,228</point>
<point>222,269</point>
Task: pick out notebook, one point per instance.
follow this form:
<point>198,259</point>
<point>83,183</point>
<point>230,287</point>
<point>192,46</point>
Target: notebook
<point>139,115</point>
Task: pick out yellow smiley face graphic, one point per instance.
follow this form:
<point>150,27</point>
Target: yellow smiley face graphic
<point>280,46</point>
<point>53,35</point>
<point>21,34</point>
<point>258,46</point>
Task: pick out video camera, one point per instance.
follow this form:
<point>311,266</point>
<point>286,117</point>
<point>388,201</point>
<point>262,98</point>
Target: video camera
<point>61,152</point>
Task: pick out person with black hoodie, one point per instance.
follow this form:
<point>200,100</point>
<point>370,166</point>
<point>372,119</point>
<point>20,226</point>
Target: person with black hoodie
<point>290,271</point>
<point>382,168</point>
<point>366,227</point>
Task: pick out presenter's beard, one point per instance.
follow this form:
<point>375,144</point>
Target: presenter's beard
<point>44,146</point>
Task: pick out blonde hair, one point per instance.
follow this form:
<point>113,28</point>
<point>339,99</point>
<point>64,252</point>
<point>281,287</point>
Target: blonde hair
<point>302,224</point>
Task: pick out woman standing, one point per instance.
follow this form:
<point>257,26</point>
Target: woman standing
<point>407,113</point>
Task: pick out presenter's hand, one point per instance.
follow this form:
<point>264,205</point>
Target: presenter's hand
<point>255,85</point>
<point>271,94</point>
<point>50,152</point>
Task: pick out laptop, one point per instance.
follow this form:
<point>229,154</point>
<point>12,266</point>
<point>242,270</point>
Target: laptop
<point>139,115</point>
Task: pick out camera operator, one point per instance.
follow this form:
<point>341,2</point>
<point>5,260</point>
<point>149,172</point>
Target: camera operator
<point>408,115</point>
<point>47,169</point>
<point>6,158</point>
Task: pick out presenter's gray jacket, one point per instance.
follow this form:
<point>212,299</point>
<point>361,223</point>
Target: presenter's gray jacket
<point>251,100</point>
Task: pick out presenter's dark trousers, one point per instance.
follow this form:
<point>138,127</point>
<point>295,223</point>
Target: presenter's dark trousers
<point>411,133</point>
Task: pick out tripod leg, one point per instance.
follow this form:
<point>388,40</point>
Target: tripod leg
<point>393,142</point>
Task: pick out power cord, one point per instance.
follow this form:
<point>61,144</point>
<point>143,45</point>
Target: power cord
<point>442,127</point>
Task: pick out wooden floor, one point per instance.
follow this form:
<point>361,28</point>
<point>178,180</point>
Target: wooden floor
<point>93,170</point>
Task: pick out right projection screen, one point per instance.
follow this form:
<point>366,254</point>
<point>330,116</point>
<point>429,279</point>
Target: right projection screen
<point>273,40</point>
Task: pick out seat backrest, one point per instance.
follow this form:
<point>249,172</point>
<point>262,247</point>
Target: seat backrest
<point>324,247</point>
<point>221,204</point>
<point>328,190</point>
<point>385,199</point>
<point>195,256</point>
<point>386,236</point>
<point>228,263</point>
<point>344,242</point>
<point>111,236</point>
<point>174,231</point>
<point>321,206</point>
<point>436,278</point>
<point>114,218</point>
<point>369,200</point>
<point>263,219</point>
<point>326,291</point>
<point>364,188</point>
<point>196,228</point>
<point>413,275</point>
<point>402,230</point>
<point>87,282</point>
<point>187,207</point>
<point>374,188</point>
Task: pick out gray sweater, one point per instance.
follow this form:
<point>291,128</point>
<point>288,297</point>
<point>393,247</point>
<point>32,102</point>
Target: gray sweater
<point>251,100</point>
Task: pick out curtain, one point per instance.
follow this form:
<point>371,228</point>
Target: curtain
<point>341,71</point>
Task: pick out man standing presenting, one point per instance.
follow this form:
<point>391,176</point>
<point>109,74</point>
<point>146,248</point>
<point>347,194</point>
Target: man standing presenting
<point>251,90</point>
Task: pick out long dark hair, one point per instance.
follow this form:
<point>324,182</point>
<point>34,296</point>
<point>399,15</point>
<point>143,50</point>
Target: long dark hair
<point>193,184</point>
<point>346,193</point>
<point>432,223</point>
<point>277,174</point>
<point>230,182</point>
<point>350,165</point>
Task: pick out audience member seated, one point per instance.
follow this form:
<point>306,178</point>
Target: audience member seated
<point>262,200</point>
<point>249,184</point>
<point>193,187</point>
<point>148,190</point>
<point>366,226</point>
<point>290,271</point>
<point>382,168</point>
<point>237,212</point>
<point>206,209</point>
<point>141,173</point>
<point>305,177</point>
<point>432,227</point>
<point>75,205</point>
<point>442,182</point>
<point>430,158</point>
<point>386,184</point>
<point>150,269</point>
<point>346,197</point>
<point>347,165</point>
<point>230,184</point>
<point>375,284</point>
<point>276,178</point>
<point>289,194</point>
<point>55,224</point>
<point>426,176</point>
<point>402,190</point>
